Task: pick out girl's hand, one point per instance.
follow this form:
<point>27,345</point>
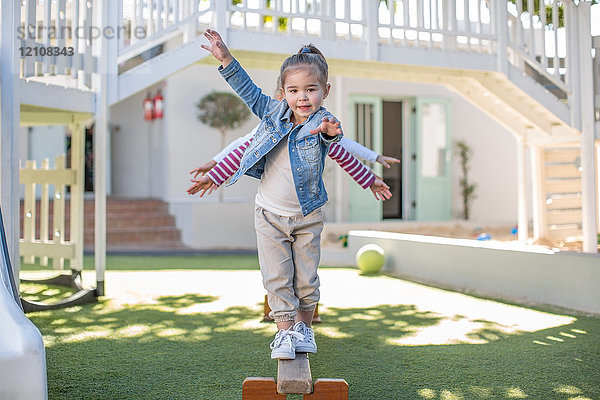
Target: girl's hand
<point>386,161</point>
<point>330,127</point>
<point>217,47</point>
<point>380,190</point>
<point>203,184</point>
<point>204,168</point>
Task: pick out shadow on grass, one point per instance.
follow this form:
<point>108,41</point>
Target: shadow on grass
<point>39,292</point>
<point>160,351</point>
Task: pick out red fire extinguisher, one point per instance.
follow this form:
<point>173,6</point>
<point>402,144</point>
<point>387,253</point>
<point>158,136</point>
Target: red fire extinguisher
<point>158,105</point>
<point>148,108</point>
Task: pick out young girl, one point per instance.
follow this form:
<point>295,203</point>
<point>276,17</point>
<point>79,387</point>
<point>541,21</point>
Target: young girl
<point>287,154</point>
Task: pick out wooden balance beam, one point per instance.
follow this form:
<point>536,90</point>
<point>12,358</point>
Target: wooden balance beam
<point>294,377</point>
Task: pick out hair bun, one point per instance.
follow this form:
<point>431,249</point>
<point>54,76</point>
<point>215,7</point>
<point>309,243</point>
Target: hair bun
<point>310,49</point>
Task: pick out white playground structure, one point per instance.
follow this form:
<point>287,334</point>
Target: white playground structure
<point>22,354</point>
<point>530,75</point>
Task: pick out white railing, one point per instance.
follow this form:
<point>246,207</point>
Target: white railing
<point>533,38</point>
<point>538,39</point>
<point>437,23</point>
<point>56,38</point>
<point>429,23</point>
<point>150,23</point>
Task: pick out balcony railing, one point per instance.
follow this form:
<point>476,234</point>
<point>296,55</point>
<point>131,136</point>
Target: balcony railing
<point>533,36</point>
<point>57,38</point>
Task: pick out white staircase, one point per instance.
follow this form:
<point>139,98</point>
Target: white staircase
<point>561,189</point>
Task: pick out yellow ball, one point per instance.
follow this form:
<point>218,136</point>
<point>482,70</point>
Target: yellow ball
<point>370,258</point>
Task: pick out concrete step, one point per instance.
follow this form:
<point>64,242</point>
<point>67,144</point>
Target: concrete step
<point>138,235</point>
<point>133,220</point>
<point>130,223</point>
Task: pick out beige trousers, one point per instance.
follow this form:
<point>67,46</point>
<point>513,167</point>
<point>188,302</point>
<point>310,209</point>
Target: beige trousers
<point>289,251</point>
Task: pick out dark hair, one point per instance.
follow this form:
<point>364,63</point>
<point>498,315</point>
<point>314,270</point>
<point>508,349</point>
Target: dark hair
<point>310,56</point>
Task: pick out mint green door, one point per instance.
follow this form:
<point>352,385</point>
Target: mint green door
<point>433,151</point>
<point>366,128</point>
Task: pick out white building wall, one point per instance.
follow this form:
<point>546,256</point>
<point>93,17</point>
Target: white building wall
<point>138,161</point>
<point>186,143</point>
<point>40,142</point>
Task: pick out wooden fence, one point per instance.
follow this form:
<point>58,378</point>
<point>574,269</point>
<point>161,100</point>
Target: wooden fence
<point>46,237</point>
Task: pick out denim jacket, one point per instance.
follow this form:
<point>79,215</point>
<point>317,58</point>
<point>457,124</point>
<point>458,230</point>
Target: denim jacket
<point>307,151</point>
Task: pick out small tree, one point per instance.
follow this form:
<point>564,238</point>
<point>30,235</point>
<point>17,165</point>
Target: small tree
<point>467,189</point>
<point>223,111</point>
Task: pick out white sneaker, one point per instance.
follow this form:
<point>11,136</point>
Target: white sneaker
<point>307,344</point>
<point>283,346</point>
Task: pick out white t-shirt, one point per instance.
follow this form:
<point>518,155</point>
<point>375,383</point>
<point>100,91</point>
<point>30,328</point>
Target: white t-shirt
<point>276,190</point>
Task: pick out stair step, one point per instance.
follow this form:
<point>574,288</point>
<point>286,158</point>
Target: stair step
<point>129,206</point>
<point>139,235</point>
<point>130,223</point>
<point>129,220</point>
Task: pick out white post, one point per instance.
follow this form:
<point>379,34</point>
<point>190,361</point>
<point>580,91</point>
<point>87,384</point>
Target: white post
<point>220,19</point>
<point>523,218</point>
<point>588,175</point>
<point>189,29</point>
<point>10,13</point>
<point>327,25</point>
<point>449,8</point>
<point>537,184</point>
<point>77,203</point>
<point>100,134</point>
<point>372,19</point>
<point>573,79</point>
<point>501,23</point>
<point>114,20</point>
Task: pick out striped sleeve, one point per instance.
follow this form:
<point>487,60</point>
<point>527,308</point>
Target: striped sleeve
<point>357,170</point>
<point>227,167</point>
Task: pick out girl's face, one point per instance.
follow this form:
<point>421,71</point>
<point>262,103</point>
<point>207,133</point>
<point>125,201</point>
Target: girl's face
<point>303,92</point>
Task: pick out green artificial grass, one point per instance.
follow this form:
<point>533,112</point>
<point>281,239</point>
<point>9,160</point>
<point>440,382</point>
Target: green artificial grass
<point>165,262</point>
<point>160,350</point>
<point>150,351</point>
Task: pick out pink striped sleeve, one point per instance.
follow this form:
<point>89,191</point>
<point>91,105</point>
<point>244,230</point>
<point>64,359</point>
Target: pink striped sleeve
<point>228,166</point>
<point>357,170</point>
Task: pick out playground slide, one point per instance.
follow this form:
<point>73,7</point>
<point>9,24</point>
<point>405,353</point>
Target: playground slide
<point>22,354</point>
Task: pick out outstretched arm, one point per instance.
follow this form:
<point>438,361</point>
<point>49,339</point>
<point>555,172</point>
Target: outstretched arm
<point>380,190</point>
<point>235,144</point>
<point>329,128</point>
<point>358,150</point>
<point>217,47</point>
<point>357,170</point>
<point>203,185</point>
<point>203,169</point>
<point>237,77</point>
<point>220,172</point>
<point>227,167</point>
<point>386,160</point>
<point>363,152</point>
<point>207,166</point>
